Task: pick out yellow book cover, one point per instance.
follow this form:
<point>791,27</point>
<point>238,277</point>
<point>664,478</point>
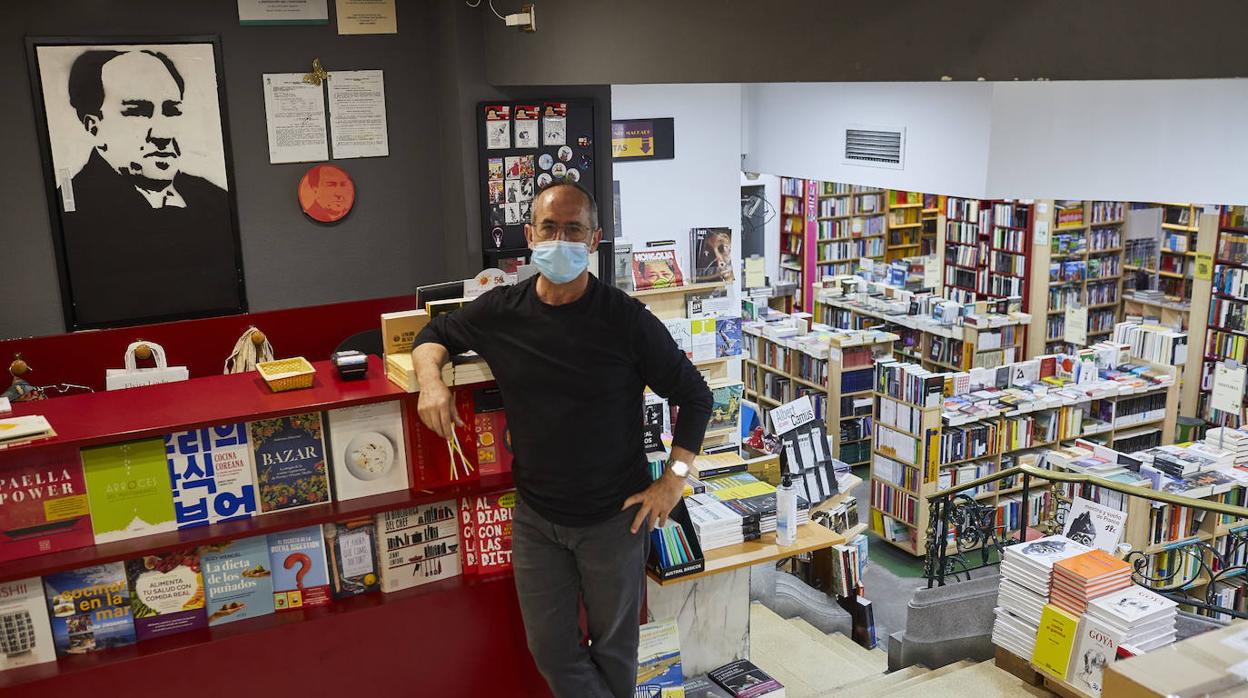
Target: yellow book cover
<point>1055,640</point>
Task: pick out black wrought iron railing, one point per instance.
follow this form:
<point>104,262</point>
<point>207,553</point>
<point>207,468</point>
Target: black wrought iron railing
<point>963,535</point>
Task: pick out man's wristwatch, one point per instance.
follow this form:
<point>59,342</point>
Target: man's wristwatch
<point>679,468</point>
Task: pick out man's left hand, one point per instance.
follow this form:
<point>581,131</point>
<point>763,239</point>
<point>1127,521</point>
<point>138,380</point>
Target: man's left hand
<point>657,501</point>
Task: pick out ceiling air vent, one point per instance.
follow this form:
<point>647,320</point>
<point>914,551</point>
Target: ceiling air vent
<point>875,147</point>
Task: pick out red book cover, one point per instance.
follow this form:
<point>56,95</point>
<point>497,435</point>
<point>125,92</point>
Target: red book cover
<point>493,439</point>
<point>43,505</point>
<point>467,539</point>
<point>431,457</point>
<point>492,532</point>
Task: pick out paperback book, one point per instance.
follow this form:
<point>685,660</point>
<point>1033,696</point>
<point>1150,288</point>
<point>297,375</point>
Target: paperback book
<point>744,680</point>
<point>210,473</point>
<point>166,594</point>
<point>89,609</point>
<point>658,659</point>
<point>656,269</point>
<point>726,407</point>
<point>1095,525</point>
<point>418,545</point>
<point>712,254</point>
<point>300,574</point>
<point>1055,641</point>
<point>491,533</point>
<point>237,581</point>
<point>43,505</point>
<point>128,490</point>
<point>1095,649</point>
<point>369,453</point>
<point>25,634</point>
<point>352,549</point>
<point>490,424</point>
<point>289,457</point>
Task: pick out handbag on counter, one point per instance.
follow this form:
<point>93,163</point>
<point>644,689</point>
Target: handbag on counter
<point>132,376</point>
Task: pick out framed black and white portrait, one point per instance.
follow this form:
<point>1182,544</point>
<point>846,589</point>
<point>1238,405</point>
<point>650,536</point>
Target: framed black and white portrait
<point>140,188</point>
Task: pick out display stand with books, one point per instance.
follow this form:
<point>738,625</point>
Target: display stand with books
<point>849,226</point>
<point>307,566</point>
<point>794,249</point>
<point>1227,336</point>
<point>905,225</point>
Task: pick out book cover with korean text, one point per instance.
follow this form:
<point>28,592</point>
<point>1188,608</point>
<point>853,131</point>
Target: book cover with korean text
<point>210,473</point>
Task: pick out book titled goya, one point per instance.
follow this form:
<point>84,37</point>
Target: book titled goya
<point>352,549</point>
<point>300,573</point>
<point>369,453</point>
<point>128,490</point>
<point>491,531</point>
<point>89,609</point>
<point>166,593</point>
<point>25,634</point>
<point>237,580</point>
<point>211,475</point>
<point>418,545</point>
<point>289,457</point>
<point>43,505</point>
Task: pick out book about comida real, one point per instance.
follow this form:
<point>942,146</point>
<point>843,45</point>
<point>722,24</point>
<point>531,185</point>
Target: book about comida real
<point>25,634</point>
<point>238,583</point>
<point>300,571</point>
<point>418,545</point>
<point>369,455</point>
<point>128,490</point>
<point>658,658</point>
<point>656,269</point>
<point>210,472</point>
<point>43,505</point>
<point>289,457</point>
<point>352,549</point>
<point>89,609</point>
<point>166,593</point>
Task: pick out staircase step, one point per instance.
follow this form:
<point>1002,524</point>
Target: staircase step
<point>933,674</point>
<point>804,665</point>
<point>842,645</point>
<point>982,680</point>
<point>877,685</point>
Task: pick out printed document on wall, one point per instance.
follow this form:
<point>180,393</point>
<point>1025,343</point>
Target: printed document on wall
<point>294,112</point>
<point>366,16</point>
<point>282,12</point>
<point>357,114</point>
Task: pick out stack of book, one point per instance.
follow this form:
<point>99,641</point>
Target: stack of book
<point>754,500</point>
<point>463,369</point>
<point>15,431</point>
<point>1026,571</point>
<point>1233,440</point>
<point>1082,578</point>
<point>716,524</point>
<point>1141,619</point>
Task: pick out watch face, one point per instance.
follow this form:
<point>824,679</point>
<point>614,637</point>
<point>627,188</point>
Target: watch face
<point>681,469</point>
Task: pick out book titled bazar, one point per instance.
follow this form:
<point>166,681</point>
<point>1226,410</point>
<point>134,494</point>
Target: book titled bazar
<point>744,680</point>
<point>289,457</point>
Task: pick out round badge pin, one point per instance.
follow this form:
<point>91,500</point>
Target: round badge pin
<point>559,170</point>
<point>565,153</point>
<point>544,161</point>
<point>574,175</point>
<point>543,179</point>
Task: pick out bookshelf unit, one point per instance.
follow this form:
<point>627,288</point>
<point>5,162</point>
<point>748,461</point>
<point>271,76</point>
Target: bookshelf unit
<point>986,248</point>
<point>793,234</point>
<point>930,217</point>
<point>919,450</point>
<point>962,248</point>
<point>905,225</point>
<point>1227,327</point>
<point>850,224</point>
<point>1082,264</point>
<point>1177,248</point>
<point>835,372</point>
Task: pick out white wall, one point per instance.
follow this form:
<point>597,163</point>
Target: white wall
<point>798,130</point>
<point>701,186</point>
<point>771,229</point>
<point>1145,140</point>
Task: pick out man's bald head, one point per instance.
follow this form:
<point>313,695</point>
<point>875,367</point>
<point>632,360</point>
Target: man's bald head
<point>560,198</point>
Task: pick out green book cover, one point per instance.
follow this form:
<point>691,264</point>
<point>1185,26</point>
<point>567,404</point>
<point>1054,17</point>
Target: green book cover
<point>128,490</point>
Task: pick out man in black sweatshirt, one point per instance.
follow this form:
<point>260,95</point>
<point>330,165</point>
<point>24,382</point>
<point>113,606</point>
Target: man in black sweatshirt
<point>572,356</point>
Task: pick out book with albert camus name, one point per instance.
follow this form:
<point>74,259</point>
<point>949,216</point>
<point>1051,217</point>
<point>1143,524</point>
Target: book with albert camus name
<point>43,505</point>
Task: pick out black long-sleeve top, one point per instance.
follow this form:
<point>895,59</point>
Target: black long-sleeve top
<point>572,377</point>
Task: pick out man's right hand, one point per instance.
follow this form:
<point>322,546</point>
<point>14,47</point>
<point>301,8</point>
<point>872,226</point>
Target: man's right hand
<point>437,408</point>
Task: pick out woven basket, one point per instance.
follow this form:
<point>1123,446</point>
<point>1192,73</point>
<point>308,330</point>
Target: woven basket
<point>287,374</point>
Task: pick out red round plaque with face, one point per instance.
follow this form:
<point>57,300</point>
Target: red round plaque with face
<point>326,193</point>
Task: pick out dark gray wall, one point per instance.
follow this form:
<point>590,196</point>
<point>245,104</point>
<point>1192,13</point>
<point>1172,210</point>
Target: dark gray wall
<point>396,236</point>
<point>662,41</point>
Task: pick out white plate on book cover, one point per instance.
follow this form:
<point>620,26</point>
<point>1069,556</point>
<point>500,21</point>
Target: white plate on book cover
<point>369,455</point>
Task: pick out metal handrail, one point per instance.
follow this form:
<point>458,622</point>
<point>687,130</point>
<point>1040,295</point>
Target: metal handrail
<point>1142,492</point>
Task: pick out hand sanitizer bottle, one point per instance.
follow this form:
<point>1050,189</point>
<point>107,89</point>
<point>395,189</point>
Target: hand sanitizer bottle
<point>786,512</point>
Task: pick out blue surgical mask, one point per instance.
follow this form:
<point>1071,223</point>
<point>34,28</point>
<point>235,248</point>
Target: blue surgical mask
<point>561,261</point>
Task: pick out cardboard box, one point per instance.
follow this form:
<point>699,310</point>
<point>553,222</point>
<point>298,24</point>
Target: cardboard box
<point>1194,667</point>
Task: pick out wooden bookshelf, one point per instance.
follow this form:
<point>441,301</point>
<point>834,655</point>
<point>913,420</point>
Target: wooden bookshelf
<point>777,371</point>
<point>962,247</point>
<point>1227,330</point>
<point>905,225</point>
<point>851,223</point>
<point>793,234</point>
<point>1082,264</point>
<point>930,216</point>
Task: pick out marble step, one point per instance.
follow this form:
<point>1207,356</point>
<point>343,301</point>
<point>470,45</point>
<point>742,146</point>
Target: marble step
<point>981,680</point>
<point>843,645</point>
<point>933,674</point>
<point>806,667</point>
<point>878,685</point>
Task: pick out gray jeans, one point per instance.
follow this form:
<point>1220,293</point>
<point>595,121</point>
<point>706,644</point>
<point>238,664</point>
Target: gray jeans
<point>556,567</point>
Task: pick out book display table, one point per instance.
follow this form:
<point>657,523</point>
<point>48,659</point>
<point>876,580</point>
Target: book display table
<point>458,636</point>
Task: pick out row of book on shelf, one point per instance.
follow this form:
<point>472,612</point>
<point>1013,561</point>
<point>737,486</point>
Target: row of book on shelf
<point>59,498</point>
<point>118,603</point>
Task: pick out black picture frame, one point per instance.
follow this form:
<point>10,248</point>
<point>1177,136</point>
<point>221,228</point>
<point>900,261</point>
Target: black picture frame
<point>75,319</point>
